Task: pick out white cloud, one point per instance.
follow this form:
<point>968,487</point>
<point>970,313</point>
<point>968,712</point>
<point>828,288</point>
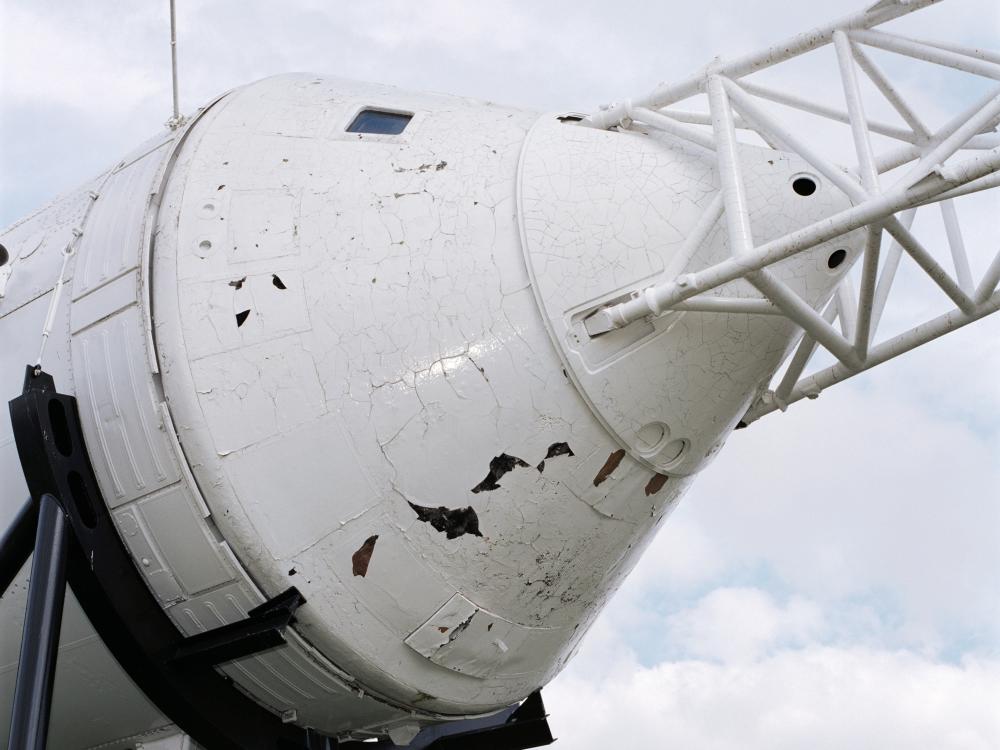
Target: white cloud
<point>741,624</point>
<point>816,698</point>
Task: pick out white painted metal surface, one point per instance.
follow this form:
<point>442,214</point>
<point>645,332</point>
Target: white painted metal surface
<point>448,382</point>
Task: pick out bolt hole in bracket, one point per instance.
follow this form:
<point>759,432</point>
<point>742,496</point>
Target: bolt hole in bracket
<point>175,672</point>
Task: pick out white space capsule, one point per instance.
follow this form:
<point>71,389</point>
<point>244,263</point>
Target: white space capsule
<point>331,336</point>
<point>441,365</point>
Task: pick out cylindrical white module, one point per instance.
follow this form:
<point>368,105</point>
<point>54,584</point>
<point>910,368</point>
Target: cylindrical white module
<point>331,335</point>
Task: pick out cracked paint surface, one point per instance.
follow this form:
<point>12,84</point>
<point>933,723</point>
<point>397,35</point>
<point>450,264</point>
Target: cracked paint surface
<point>407,415</point>
<point>605,214</point>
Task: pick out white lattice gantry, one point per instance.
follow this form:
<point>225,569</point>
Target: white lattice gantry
<point>919,165</point>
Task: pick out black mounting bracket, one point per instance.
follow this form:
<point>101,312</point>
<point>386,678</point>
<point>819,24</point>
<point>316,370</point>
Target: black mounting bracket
<point>67,525</point>
<point>261,630</point>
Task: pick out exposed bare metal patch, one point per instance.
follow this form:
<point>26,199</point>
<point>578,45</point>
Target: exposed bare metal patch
<point>241,317</point>
<point>238,283</point>
<point>424,167</point>
<point>609,466</point>
<point>453,522</point>
<point>499,466</point>
<point>655,484</point>
<point>361,558</point>
<point>556,449</point>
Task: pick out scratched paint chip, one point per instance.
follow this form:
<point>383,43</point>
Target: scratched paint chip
<point>655,484</point>
<point>609,466</point>
<point>452,522</point>
<point>499,466</point>
<point>361,559</point>
<point>556,449</point>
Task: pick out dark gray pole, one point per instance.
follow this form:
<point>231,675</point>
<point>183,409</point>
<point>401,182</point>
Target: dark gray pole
<point>16,543</point>
<point>29,725</point>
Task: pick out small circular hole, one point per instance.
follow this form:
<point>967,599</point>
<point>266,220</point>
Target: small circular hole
<point>836,258</point>
<point>4,256</point>
<point>804,185</point>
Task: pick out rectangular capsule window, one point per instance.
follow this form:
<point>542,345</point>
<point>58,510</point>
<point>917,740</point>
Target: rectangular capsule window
<point>378,122</point>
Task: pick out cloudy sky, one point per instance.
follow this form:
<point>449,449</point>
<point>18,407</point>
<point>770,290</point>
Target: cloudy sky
<point>833,579</point>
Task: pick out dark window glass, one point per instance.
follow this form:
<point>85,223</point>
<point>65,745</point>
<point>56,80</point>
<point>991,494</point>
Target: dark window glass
<point>382,123</point>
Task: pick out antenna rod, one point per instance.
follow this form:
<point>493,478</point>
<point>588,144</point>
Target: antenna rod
<point>176,120</point>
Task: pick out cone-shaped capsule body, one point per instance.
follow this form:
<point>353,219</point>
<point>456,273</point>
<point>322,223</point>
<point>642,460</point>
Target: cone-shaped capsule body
<point>331,335</point>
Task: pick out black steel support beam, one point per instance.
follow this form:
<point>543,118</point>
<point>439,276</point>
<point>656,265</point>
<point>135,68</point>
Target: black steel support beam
<point>17,542</point>
<point>29,725</point>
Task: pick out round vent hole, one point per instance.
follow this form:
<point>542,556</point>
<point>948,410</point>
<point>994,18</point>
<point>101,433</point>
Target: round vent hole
<point>804,185</point>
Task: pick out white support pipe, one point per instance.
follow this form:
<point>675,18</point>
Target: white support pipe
<point>892,258</point>
<point>790,100</point>
<point>847,308</point>
<point>900,155</point>
<point>656,298</point>
<point>903,46</point>
<point>744,305</point>
<point>947,141</point>
<point>746,105</point>
<point>866,294</point>
<point>730,173</point>
<point>983,183</point>
<point>976,52</point>
<point>931,267</point>
<point>807,347</point>
<point>57,290</point>
<point>856,111</point>
<point>669,125</point>
<point>882,83</point>
<point>896,157</point>
<point>698,118</point>
<point>963,274</point>
<point>894,347</point>
<point>175,120</point>
<point>801,313</point>
<point>799,44</point>
<point>766,134</point>
<point>989,281</point>
<point>699,233</point>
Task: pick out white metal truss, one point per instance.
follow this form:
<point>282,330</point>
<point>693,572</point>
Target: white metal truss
<point>925,166</point>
